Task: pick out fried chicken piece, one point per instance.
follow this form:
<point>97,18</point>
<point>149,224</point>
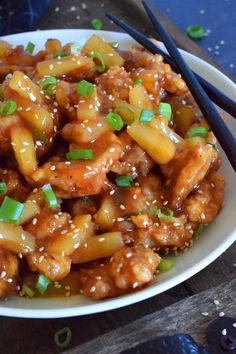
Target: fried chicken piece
<point>54,267</point>
<point>203,205</point>
<point>16,186</point>
<point>129,268</point>
<point>186,170</point>
<point>115,82</point>
<point>8,273</point>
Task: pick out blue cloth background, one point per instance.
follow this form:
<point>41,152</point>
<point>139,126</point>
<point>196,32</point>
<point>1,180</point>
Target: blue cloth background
<point>217,16</point>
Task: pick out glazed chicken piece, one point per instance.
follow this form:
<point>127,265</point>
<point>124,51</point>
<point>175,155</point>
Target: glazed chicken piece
<point>134,160</point>
<point>8,273</point>
<point>55,267</point>
<point>115,82</point>
<point>16,185</point>
<point>47,223</point>
<point>129,268</point>
<point>203,204</point>
<point>186,170</point>
<point>78,179</point>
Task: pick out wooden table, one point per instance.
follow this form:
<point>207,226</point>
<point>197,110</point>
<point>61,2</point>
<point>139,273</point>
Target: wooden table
<point>22,336</point>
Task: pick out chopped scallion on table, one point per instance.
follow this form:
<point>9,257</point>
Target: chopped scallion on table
<point>85,88</point>
<point>124,181</point>
<point>165,110</point>
<point>115,121</point>
<point>195,32</point>
<point>42,284</point>
<point>30,47</point>
<point>49,196</point>
<point>165,265</point>
<point>11,210</point>
<point>146,116</point>
<point>62,337</point>
<point>80,154</point>
<point>98,61</point>
<point>3,188</point>
<point>7,108</point>
<point>96,23</point>
<point>197,131</point>
<point>27,290</point>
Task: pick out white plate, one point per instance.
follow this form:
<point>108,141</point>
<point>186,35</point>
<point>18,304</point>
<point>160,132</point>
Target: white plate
<point>211,244</point>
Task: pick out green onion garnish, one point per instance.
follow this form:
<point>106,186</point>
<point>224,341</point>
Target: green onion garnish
<point>75,48</point>
<point>165,265</point>
<point>63,333</point>
<point>146,115</point>
<point>42,283</point>
<point>48,85</point>
<point>49,196</point>
<point>126,109</point>
<point>165,110</point>
<point>115,121</point>
<point>195,32</point>
<point>60,54</point>
<point>97,57</point>
<point>80,154</point>
<point>8,107</point>
<point>27,290</point>
<point>85,88</point>
<point>124,181</point>
<point>30,47</point>
<point>96,23</point>
<point>198,230</point>
<point>3,188</point>
<point>138,82</point>
<point>167,215</point>
<point>114,44</point>
<point>11,210</point>
<point>197,131</point>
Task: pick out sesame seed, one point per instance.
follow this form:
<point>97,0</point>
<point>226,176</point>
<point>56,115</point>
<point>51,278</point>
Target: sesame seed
<point>73,8</point>
<point>120,219</point>
<point>50,67</point>
<point>135,284</point>
<point>204,313</point>
<point>101,239</point>
<point>57,9</point>
<point>221,314</point>
<point>41,258</point>
<point>222,42</point>
<point>34,221</point>
<point>216,302</point>
<point>224,332</point>
<point>41,249</point>
<point>112,192</point>
<point>122,207</point>
<point>3,274</point>
<point>84,6</point>
<point>9,280</point>
<point>52,168</point>
<point>234,325</point>
<point>63,232</point>
<point>165,202</point>
<point>231,65</point>
<point>92,289</point>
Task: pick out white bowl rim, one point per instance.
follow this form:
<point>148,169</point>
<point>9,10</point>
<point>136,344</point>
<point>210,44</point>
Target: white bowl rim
<point>148,292</point>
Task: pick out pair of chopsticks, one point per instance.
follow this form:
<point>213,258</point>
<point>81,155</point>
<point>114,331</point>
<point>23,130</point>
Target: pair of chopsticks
<point>199,87</point>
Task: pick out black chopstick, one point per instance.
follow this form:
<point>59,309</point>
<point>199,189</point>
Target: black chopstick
<point>219,128</point>
<point>217,96</point>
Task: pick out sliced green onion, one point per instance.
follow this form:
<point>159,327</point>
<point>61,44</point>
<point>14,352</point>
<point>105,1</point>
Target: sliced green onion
<point>195,32</point>
<point>146,115</point>
<point>27,290</point>
<point>85,88</point>
<point>63,333</point>
<point>30,47</point>
<point>49,196</point>
<point>3,188</point>
<point>115,121</point>
<point>80,154</point>
<point>96,23</point>
<point>124,181</point>
<point>165,110</point>
<point>8,76</point>
<point>8,107</point>
<point>60,54</point>
<point>197,131</point>
<point>97,57</point>
<point>11,210</point>
<point>75,48</point>
<point>47,80</point>
<point>127,109</point>
<point>51,90</point>
<point>138,82</point>
<point>114,44</point>
<point>165,215</point>
<point>42,283</point>
<point>165,265</point>
<point>198,230</point>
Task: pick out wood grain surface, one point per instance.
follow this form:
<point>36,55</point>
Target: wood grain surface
<point>183,317</point>
<point>23,336</point>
